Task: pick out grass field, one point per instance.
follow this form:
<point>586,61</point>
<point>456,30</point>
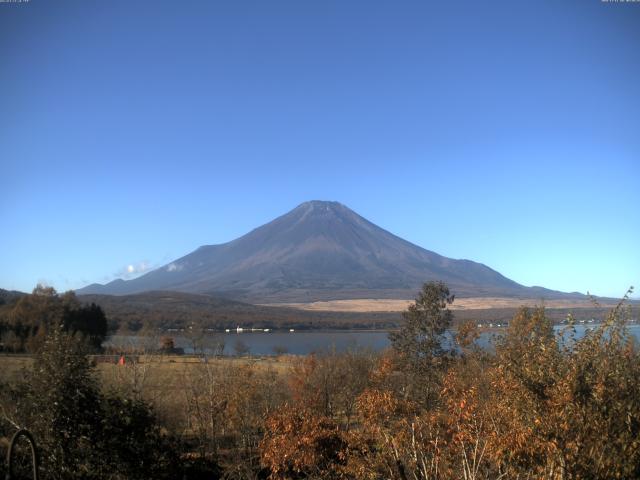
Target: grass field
<point>179,388</point>
<point>159,371</point>
<point>396,305</point>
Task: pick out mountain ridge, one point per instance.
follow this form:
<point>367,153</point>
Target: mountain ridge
<point>319,250</point>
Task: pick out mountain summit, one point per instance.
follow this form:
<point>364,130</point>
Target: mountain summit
<point>318,251</point>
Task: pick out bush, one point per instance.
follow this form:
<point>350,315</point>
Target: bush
<point>81,432</point>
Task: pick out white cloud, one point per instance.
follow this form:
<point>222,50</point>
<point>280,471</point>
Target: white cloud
<point>133,269</point>
<point>174,267</point>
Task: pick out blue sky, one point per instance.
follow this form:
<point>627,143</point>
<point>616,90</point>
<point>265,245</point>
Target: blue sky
<point>503,132</point>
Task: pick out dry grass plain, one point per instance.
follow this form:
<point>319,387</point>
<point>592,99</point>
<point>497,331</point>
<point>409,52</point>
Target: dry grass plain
<point>362,305</point>
<point>171,383</point>
<point>162,371</point>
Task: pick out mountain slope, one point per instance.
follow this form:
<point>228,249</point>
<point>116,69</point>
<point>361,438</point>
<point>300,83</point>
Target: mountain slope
<point>319,250</point>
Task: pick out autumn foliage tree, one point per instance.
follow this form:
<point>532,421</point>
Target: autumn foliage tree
<point>568,409</point>
<point>538,404</point>
<point>300,443</point>
<point>329,383</point>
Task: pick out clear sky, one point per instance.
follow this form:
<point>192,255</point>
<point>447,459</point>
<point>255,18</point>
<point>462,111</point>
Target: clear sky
<point>506,132</point>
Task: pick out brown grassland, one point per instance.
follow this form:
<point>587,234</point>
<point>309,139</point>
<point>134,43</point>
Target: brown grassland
<point>360,305</point>
<point>163,371</point>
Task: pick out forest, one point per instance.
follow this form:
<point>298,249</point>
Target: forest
<point>532,406</point>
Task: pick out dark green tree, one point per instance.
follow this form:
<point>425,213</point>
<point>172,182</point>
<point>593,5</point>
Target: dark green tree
<point>420,344</point>
<point>131,443</point>
<point>83,433</point>
<point>87,320</point>
<point>61,406</point>
<point>425,322</point>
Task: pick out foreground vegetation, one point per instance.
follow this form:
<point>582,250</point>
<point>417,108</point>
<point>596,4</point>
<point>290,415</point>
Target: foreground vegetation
<point>533,407</point>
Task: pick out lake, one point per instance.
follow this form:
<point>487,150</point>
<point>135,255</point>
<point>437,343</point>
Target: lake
<point>301,342</point>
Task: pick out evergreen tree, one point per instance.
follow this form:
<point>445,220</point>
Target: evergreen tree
<point>81,432</point>
<point>420,343</point>
<point>62,406</point>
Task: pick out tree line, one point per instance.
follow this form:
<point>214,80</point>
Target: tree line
<point>26,321</point>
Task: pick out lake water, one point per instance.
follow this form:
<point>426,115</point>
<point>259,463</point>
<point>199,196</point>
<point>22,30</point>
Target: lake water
<point>299,342</point>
